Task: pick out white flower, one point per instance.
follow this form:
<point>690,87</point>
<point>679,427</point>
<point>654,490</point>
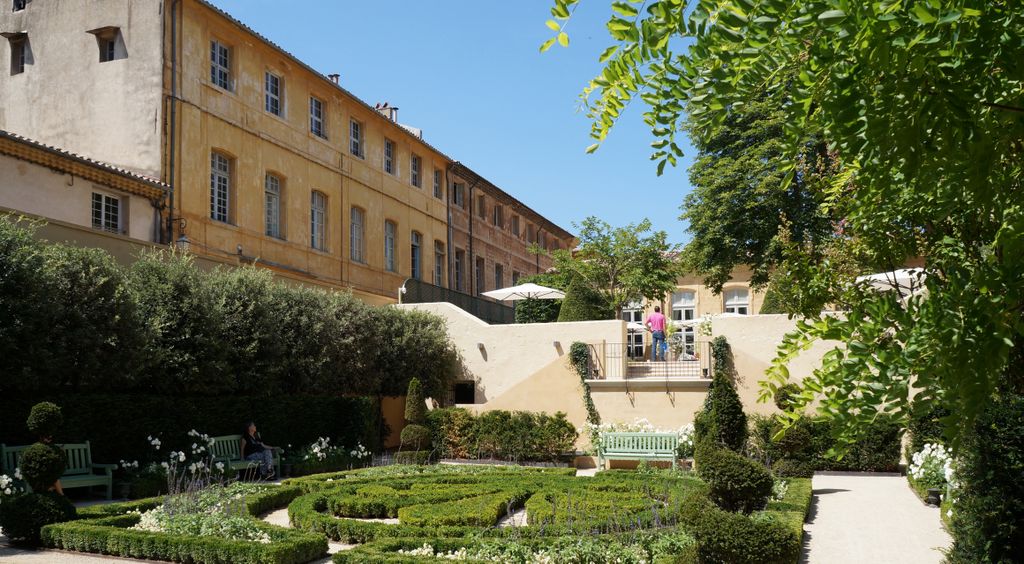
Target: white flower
<point>165,465</point>
<point>220,466</point>
<point>7,491</point>
<point>181,456</point>
<point>949,513</point>
<point>17,473</point>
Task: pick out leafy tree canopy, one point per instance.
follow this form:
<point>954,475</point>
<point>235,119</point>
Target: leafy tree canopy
<point>621,264</point>
<point>922,102</point>
<point>740,211</point>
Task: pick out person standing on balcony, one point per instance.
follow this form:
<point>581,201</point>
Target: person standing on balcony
<point>656,324</point>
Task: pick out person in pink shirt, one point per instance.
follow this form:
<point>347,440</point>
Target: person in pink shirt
<point>656,324</point>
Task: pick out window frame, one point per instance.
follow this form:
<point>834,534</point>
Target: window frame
<point>269,97</point>
<point>438,193</point>
<point>389,251</point>
<point>459,266</point>
<point>101,223</point>
<point>416,255</point>
<point>480,270</point>
<point>459,195</point>
<point>318,229</point>
<point>439,263</point>
<point>355,139</point>
<point>357,234</point>
<point>499,275</point>
<point>515,225</point>
<point>389,157</point>
<point>217,190</point>
<point>19,47</point>
<point>317,117</point>
<point>415,170</point>
<point>272,206</point>
<point>221,69</point>
<point>481,207</point>
<point>498,216</point>
<point>736,305</point>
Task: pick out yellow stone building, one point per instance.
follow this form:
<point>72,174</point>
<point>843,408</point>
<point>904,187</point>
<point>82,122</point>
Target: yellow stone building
<point>268,161</point>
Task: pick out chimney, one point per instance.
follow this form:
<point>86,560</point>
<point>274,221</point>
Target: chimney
<point>391,112</point>
<point>334,77</point>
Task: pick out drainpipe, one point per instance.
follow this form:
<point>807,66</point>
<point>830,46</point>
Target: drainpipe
<point>174,116</point>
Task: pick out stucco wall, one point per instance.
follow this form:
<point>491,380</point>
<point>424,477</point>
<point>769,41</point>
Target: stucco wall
<point>36,190</point>
<point>66,97</point>
<point>520,370</point>
<point>512,353</point>
<point>754,341</point>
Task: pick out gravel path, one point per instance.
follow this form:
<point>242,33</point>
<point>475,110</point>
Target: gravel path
<point>857,518</point>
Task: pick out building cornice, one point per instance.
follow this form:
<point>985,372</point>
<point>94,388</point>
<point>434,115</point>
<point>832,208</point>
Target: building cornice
<point>54,158</point>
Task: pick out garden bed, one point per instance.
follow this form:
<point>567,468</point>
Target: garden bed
<point>107,529</point>
<point>441,510</point>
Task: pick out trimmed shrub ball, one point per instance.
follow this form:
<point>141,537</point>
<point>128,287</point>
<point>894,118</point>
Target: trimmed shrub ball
<point>45,419</point>
<point>24,515</point>
<point>42,465</point>
<point>737,539</point>
<point>735,482</point>
<point>415,436</point>
<point>792,468</point>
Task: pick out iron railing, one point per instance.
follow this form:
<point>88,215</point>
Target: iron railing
<point>626,361</point>
<point>419,292</point>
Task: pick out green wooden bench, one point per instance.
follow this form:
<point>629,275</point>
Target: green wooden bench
<point>228,449</point>
<point>638,446</point>
<point>80,472</point>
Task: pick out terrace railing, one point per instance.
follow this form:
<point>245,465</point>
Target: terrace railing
<point>419,292</point>
<point>624,361</point>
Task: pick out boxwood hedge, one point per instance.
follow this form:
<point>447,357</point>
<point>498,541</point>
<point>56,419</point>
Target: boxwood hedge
<point>105,529</point>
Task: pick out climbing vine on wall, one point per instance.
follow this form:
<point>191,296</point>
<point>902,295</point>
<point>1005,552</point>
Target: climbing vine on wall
<point>579,356</point>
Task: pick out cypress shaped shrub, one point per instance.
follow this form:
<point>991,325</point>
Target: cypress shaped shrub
<point>722,420</point>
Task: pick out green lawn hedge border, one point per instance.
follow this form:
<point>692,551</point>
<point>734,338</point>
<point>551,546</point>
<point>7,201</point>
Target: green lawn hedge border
<point>105,529</point>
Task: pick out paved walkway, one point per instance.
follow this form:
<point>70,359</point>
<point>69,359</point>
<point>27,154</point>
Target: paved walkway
<point>860,518</point>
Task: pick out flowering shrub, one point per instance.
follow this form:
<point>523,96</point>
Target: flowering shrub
<point>213,511</point>
<point>642,425</point>
<point>932,466</point>
<point>561,552</point>
<point>322,456</point>
<point>9,485</point>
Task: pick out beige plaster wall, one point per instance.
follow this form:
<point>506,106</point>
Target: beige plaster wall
<point>666,404</point>
<point>512,353</point>
<point>66,97</point>
<point>36,190</point>
<point>754,341</point>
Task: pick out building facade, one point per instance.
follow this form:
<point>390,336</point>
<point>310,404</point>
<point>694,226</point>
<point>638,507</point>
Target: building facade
<point>86,201</point>
<point>693,300</point>
<point>267,160</point>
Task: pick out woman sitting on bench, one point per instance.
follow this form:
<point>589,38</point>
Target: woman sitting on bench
<point>254,449</point>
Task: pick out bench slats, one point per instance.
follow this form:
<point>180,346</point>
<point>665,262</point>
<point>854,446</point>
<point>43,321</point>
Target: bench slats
<point>632,446</point>
<point>79,471</point>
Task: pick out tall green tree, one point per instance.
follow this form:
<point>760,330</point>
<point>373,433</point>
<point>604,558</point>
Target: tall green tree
<point>740,212</point>
<point>621,264</point>
<point>923,104</point>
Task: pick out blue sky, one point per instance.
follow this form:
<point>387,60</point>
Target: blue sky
<point>469,74</point>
